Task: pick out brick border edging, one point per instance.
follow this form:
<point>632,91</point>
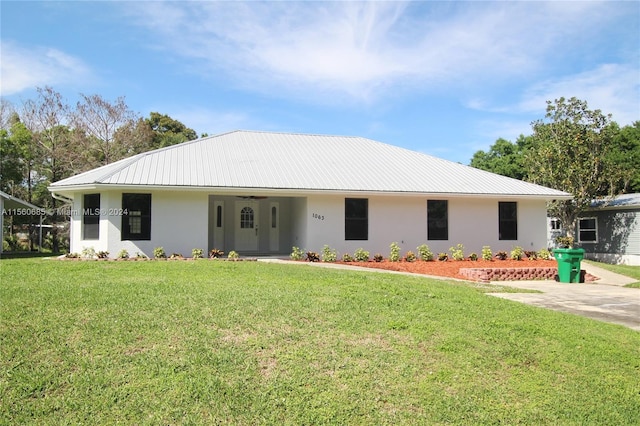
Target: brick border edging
<point>513,274</point>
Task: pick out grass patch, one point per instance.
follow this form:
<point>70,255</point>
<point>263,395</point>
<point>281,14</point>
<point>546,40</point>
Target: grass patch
<point>628,270</point>
<point>206,342</point>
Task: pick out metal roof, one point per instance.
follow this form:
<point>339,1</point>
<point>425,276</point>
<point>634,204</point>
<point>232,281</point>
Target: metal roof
<point>619,202</point>
<point>288,161</point>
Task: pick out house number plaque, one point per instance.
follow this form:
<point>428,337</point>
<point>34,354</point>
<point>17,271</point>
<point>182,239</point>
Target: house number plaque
<point>317,216</point>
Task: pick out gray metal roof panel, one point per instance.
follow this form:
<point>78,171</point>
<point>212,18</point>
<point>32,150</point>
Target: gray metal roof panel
<point>246,159</point>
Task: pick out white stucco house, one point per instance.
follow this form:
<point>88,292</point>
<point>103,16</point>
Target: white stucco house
<point>261,193</point>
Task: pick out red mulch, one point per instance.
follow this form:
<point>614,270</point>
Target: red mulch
<point>450,268</point>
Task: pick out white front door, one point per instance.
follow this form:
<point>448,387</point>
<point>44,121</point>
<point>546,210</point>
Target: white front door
<point>246,226</point>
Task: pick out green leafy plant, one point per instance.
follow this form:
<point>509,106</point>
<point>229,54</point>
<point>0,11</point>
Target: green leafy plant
<point>72,256</point>
<point>347,258</point>
<point>486,253</point>
<point>517,253</point>
<point>443,257</point>
<point>197,253</point>
<point>88,253</point>
<point>473,257</point>
<point>378,257</point>
<point>123,254</point>
<point>410,256</point>
<point>159,253</point>
<point>502,255</point>
<point>233,255</point>
<point>329,254</point>
<point>457,252</point>
<point>361,255</point>
<point>424,252</point>
<point>296,253</point>
<point>394,253</point>
<point>140,255</point>
<point>103,255</point>
<point>216,253</point>
<point>564,242</point>
<point>544,254</point>
<point>531,255</point>
<point>176,256</point>
<point>312,256</point>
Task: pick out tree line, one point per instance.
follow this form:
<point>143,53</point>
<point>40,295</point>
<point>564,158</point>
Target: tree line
<point>46,139</point>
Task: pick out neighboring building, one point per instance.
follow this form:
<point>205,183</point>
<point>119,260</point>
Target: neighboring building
<point>262,193</point>
<point>13,206</point>
<point>610,230</point>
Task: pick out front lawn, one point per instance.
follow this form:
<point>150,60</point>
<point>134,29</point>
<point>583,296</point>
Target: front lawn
<point>216,342</point>
<point>628,270</point>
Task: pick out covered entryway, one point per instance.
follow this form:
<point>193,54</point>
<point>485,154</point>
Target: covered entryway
<point>253,225</point>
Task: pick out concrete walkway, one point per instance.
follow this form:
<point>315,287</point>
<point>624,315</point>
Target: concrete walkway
<point>605,300</point>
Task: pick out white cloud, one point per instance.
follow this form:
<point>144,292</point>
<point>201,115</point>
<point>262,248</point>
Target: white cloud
<point>27,67</point>
<point>360,50</point>
<point>612,88</point>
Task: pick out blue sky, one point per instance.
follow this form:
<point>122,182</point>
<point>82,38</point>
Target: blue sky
<point>443,78</point>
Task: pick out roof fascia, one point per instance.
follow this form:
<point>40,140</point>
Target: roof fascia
<point>70,189</point>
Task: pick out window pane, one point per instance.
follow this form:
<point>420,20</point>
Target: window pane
<point>508,221</point>
<point>274,217</point>
<point>587,230</point>
<point>91,217</point>
<point>437,220</point>
<point>219,217</point>
<point>136,218</point>
<point>356,223</point>
<point>246,218</point>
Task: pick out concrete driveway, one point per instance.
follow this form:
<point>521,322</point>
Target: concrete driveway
<point>605,300</point>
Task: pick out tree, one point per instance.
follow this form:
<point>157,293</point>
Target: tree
<point>99,121</point>
<point>573,151</point>
<point>504,158</point>
<point>168,131</point>
<point>627,155</point>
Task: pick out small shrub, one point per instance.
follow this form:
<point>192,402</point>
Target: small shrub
<point>123,254</point>
<point>159,253</point>
<point>312,256</point>
<point>443,257</point>
<point>296,253</point>
<point>361,255</point>
<point>103,255</point>
<point>176,256</point>
<point>394,253</point>
<point>424,252</point>
<point>531,255</point>
<point>88,253</point>
<point>197,253</point>
<point>72,256</point>
<point>216,253</point>
<point>457,252</point>
<point>502,255</point>
<point>544,254</point>
<point>141,255</point>
<point>378,257</point>
<point>473,257</point>
<point>410,256</point>
<point>233,255</point>
<point>517,253</point>
<point>347,258</point>
<point>564,242</point>
<point>486,253</point>
<point>329,254</point>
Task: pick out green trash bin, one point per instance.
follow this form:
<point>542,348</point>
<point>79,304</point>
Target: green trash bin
<point>569,264</point>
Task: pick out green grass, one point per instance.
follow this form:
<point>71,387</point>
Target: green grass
<point>213,342</point>
<point>629,271</point>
